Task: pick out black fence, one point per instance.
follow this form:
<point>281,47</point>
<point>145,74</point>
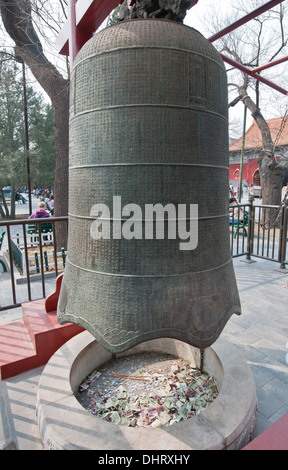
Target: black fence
<point>259,231</point>
<point>29,256</point>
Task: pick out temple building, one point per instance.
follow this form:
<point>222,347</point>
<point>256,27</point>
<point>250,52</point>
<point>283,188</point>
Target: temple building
<point>253,145</point>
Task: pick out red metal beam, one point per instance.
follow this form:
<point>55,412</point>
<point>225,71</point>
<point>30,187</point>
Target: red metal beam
<point>241,22</point>
<point>245,19</point>
<point>253,74</point>
<point>270,64</point>
<point>92,13</point>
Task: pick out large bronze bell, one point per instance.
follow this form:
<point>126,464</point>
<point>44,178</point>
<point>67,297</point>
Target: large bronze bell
<point>148,125</point>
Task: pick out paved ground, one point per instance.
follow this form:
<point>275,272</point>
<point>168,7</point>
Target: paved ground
<point>260,334</point>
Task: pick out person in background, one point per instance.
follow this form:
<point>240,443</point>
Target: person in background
<point>50,204</point>
<point>235,213</point>
<point>19,197</point>
<point>40,212</point>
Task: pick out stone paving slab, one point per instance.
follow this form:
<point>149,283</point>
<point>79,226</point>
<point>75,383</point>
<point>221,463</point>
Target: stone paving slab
<point>261,335</point>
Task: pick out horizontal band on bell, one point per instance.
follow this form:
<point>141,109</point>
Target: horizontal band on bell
<point>148,105</point>
<point>111,219</point>
<point>148,275</point>
<point>140,47</point>
<point>196,165</point>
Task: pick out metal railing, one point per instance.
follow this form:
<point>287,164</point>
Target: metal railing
<point>263,233</point>
<point>21,236</point>
<point>260,232</point>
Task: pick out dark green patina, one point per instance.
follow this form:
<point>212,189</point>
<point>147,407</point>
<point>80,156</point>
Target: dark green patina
<point>148,123</point>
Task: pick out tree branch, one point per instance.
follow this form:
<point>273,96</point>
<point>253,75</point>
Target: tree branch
<point>16,16</point>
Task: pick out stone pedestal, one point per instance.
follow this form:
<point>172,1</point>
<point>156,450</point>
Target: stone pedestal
<point>65,425</point>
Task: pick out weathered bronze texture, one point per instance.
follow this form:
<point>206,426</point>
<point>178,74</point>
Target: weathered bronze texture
<point>148,123</point>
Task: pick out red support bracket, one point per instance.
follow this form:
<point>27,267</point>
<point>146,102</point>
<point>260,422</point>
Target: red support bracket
<point>270,64</point>
<point>253,74</point>
<point>84,18</point>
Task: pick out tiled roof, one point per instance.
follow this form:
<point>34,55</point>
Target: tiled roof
<point>253,139</point>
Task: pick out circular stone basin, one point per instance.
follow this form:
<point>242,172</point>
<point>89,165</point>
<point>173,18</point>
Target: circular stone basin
<point>225,424</point>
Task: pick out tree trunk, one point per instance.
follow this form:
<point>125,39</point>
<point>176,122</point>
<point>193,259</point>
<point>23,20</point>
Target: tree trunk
<point>271,173</point>
<point>271,176</point>
<point>61,170</point>
<point>4,208</point>
<point>271,184</point>
<point>17,20</point>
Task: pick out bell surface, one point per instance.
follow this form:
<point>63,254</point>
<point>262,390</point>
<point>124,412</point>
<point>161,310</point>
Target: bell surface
<point>148,126</point>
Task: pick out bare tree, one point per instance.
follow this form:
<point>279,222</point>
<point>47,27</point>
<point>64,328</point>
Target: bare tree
<point>256,43</point>
<point>18,22</point>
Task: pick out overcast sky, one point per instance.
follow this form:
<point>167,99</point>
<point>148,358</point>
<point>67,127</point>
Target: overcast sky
<point>196,14</point>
